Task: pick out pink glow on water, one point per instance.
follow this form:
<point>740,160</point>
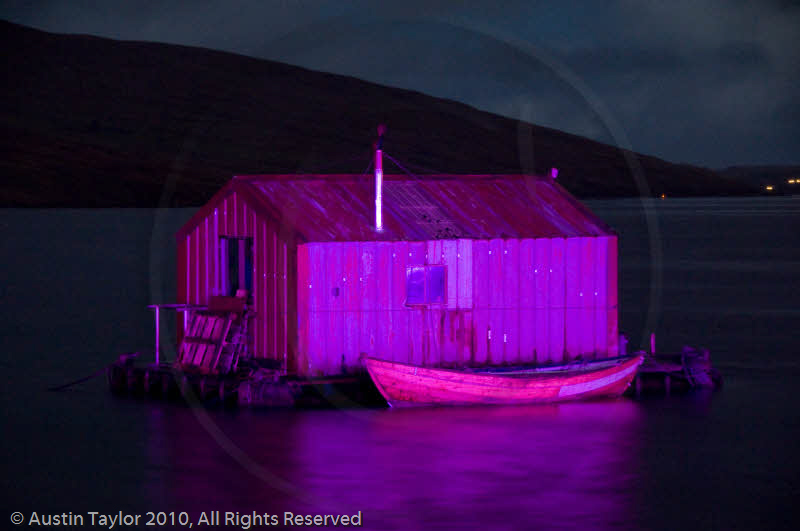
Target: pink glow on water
<point>462,468</point>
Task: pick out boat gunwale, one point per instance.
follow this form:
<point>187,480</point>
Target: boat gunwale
<point>515,373</point>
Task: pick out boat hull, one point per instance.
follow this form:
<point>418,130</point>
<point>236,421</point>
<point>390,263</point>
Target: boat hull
<point>407,385</point>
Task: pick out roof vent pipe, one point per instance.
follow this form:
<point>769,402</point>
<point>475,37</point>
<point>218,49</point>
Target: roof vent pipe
<point>379,179</point>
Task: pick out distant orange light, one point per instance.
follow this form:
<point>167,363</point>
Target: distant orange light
<point>791,181</point>
<point>663,196</point>
<point>769,188</point>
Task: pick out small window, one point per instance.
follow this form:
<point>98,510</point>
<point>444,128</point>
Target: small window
<point>425,285</point>
<point>235,265</point>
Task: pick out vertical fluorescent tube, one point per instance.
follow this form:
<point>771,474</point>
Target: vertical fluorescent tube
<point>158,335</point>
<point>378,190</point>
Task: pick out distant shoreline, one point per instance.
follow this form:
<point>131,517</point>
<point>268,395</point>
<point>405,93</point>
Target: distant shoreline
<point>194,206</point>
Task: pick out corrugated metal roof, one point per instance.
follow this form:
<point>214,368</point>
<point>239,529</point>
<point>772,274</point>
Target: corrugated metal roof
<point>341,207</point>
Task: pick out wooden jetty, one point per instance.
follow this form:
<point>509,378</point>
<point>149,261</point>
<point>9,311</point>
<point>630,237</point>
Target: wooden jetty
<point>213,365</point>
<point>252,385</point>
<point>665,373</point>
<point>208,355</point>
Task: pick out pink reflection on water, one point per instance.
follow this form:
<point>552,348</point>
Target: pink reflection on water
<point>572,465</point>
<point>464,467</point>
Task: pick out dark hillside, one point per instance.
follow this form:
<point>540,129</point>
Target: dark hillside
<point>96,122</point>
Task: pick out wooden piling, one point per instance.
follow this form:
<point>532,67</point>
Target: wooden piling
<point>667,373</point>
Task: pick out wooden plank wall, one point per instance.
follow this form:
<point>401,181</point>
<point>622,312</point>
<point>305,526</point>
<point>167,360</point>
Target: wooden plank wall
<point>353,297</point>
<point>274,266</point>
<point>508,302</point>
<point>544,300</point>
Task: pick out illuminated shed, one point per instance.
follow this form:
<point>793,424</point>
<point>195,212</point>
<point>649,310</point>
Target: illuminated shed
<point>469,270</point>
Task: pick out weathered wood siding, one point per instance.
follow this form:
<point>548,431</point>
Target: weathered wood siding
<point>274,265</point>
<point>507,301</point>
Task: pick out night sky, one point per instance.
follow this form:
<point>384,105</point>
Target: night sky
<point>714,83</point>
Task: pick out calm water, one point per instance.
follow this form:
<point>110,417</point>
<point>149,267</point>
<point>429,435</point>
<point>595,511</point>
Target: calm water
<point>74,288</point>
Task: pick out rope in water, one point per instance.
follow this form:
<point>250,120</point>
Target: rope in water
<point>93,375</point>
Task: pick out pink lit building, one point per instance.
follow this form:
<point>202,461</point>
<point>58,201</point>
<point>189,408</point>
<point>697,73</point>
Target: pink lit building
<point>468,270</point>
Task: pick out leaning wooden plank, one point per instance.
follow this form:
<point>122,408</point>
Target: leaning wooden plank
<point>211,364</point>
<point>204,361</point>
<point>199,348</point>
<point>200,341</point>
<point>187,349</point>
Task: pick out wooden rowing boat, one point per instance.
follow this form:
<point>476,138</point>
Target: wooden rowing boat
<point>402,384</point>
